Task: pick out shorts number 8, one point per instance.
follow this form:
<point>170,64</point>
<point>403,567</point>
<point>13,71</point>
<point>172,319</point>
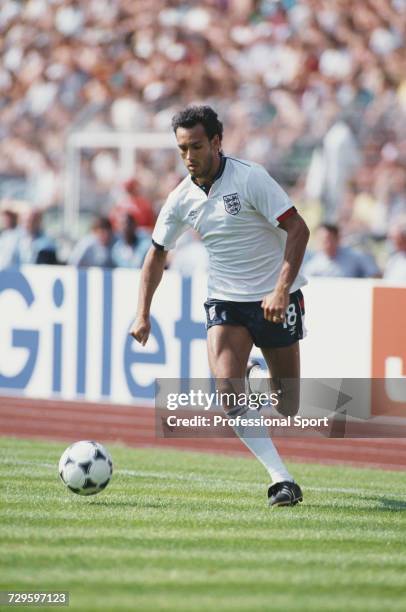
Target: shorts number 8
<point>291,315</point>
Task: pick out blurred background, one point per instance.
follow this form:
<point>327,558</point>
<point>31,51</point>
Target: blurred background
<point>312,89</point>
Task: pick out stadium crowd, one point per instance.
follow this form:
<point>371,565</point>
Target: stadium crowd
<point>312,89</point>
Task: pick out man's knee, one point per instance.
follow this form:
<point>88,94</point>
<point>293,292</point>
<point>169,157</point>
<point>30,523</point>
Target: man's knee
<point>288,400</point>
<point>229,391</point>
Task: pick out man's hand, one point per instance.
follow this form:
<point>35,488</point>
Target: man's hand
<point>140,329</point>
<point>275,305</point>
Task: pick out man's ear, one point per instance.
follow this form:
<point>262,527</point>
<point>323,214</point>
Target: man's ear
<point>216,142</point>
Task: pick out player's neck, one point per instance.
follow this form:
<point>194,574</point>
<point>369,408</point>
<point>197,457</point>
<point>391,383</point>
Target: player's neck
<point>207,181</point>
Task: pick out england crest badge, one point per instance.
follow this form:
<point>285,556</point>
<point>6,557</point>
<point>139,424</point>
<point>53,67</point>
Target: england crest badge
<point>232,203</point>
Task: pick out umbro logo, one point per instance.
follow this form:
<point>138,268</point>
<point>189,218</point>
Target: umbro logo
<point>193,214</point>
<point>232,203</point>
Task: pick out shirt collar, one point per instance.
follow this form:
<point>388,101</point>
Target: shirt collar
<point>206,188</point>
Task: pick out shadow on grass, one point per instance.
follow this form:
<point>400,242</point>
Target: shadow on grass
<point>389,504</point>
<point>379,503</point>
<point>128,504</point>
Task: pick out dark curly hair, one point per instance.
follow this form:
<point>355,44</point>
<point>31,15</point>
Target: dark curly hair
<point>332,228</point>
<point>192,115</point>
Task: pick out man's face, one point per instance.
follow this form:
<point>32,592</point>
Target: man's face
<point>199,154</point>
<point>9,219</point>
<point>103,235</point>
<point>32,221</point>
<point>127,225</point>
<point>328,242</point>
<point>398,237</point>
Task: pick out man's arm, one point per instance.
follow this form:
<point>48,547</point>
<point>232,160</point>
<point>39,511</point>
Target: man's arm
<point>276,303</point>
<point>151,275</point>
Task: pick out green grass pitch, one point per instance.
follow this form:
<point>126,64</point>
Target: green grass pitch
<point>192,532</point>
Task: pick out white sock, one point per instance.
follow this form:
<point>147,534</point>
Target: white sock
<point>257,439</point>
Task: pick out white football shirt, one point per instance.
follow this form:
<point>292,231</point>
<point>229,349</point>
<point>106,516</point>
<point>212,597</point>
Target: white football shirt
<point>238,223</point>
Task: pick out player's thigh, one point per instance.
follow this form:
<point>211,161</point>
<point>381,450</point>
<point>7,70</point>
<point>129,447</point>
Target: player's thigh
<point>228,348</point>
<point>284,368</point>
<point>283,362</point>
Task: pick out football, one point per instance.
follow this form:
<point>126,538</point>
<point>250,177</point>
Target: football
<point>86,467</point>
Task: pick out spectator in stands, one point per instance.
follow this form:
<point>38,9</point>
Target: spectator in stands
<point>95,249</point>
<point>335,260</point>
<point>9,239</point>
<point>286,73</point>
<point>395,269</point>
<point>136,205</point>
<point>339,159</point>
<point>34,245</point>
<point>132,244</point>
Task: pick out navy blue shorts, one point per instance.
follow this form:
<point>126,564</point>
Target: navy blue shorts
<point>265,334</point>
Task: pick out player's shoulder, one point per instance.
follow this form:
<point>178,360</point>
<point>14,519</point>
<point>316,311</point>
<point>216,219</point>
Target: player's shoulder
<point>244,167</point>
<point>178,195</point>
<point>240,167</point>
<point>237,162</point>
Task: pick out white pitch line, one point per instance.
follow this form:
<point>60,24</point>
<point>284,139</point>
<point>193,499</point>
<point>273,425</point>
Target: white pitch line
<point>197,478</point>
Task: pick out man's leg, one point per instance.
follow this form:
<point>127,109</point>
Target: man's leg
<point>284,372</point>
<point>284,376</point>
<point>228,349</point>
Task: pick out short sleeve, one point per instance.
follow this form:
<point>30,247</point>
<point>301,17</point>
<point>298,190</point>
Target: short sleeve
<point>168,226</point>
<point>266,196</point>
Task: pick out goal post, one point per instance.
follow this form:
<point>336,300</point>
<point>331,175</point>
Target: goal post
<point>126,144</point>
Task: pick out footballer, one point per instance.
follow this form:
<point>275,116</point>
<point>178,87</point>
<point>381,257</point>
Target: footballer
<point>256,241</point>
